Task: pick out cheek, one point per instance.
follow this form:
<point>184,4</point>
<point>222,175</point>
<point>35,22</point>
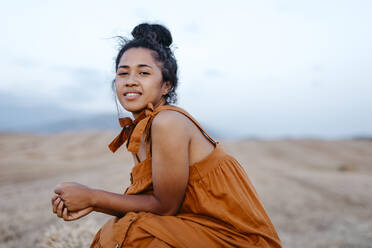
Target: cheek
<point>157,91</point>
<point>117,85</point>
<point>153,87</point>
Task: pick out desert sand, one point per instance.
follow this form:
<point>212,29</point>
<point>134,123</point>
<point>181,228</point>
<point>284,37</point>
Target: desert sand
<point>318,193</point>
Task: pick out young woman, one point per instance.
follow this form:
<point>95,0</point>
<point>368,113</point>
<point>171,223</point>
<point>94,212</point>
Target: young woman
<point>185,190</point>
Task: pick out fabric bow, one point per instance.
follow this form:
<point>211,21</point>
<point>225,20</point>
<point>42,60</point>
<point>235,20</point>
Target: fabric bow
<point>133,130</point>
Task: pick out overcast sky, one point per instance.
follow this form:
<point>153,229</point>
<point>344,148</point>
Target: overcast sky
<point>247,68</point>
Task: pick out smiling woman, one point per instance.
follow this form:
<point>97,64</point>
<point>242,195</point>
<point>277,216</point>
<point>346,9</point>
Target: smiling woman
<point>185,191</point>
<point>138,65</point>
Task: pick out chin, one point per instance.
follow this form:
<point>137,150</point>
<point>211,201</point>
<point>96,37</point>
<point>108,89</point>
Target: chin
<point>134,106</point>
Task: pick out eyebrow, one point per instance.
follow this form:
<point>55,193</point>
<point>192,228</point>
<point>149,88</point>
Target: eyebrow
<point>140,65</point>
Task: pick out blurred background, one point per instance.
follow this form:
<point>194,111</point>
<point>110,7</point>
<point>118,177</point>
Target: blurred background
<point>285,85</point>
<point>267,69</point>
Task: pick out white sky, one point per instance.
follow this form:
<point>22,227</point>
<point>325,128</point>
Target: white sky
<point>247,68</point>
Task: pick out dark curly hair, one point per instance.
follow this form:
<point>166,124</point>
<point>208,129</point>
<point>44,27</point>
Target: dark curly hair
<point>157,38</point>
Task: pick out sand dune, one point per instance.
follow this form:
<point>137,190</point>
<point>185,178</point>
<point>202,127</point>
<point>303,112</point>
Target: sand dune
<point>318,193</point>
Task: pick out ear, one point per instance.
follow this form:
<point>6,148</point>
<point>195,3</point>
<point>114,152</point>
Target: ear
<point>165,88</point>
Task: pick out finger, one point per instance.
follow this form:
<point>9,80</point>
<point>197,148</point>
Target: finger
<point>60,209</point>
<point>55,196</point>
<point>55,204</point>
<point>65,215</point>
<point>58,190</point>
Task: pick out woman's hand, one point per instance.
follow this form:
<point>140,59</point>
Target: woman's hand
<point>69,216</point>
<point>73,196</point>
<point>62,212</point>
<point>57,204</point>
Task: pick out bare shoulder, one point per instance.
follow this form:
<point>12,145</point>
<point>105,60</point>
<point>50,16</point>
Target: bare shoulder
<point>177,134</point>
<point>170,136</point>
<point>170,119</point>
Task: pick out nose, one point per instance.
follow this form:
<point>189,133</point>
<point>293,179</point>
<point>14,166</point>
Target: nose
<point>131,81</point>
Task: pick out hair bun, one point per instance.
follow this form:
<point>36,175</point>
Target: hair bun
<point>154,32</point>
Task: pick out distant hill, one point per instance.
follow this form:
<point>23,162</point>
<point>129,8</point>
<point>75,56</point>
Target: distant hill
<point>86,122</point>
<point>31,114</point>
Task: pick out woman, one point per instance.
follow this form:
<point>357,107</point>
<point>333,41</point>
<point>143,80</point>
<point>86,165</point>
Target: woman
<point>185,190</point>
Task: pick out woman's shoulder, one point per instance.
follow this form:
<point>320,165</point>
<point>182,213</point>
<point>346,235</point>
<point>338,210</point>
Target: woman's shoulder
<point>171,118</point>
<point>170,130</point>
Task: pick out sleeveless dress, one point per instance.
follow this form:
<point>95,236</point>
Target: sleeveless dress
<point>220,209</point>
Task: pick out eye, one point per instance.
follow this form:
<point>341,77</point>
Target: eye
<point>123,73</point>
<point>144,73</point>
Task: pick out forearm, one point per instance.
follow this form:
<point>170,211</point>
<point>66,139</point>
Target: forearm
<point>109,212</point>
<point>119,204</point>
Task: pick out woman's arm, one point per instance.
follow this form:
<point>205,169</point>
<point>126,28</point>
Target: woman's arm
<point>61,211</point>
<point>170,171</point>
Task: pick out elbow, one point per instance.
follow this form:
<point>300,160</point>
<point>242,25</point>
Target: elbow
<point>165,209</point>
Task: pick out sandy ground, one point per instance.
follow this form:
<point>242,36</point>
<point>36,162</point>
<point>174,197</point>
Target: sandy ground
<point>317,193</point>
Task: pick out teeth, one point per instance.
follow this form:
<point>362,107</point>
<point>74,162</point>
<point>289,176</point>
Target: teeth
<point>132,94</point>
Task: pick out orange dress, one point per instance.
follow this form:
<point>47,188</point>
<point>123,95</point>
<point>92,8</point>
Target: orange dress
<point>221,207</point>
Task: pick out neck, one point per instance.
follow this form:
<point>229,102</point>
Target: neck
<point>137,113</point>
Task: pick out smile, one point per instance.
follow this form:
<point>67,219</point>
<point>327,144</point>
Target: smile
<point>132,95</point>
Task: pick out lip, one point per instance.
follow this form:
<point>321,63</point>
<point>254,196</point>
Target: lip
<point>132,97</point>
<point>132,91</point>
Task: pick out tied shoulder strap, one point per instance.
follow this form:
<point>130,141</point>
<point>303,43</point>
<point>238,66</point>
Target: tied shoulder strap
<point>133,130</point>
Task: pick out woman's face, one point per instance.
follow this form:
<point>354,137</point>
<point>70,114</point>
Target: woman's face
<point>139,80</point>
